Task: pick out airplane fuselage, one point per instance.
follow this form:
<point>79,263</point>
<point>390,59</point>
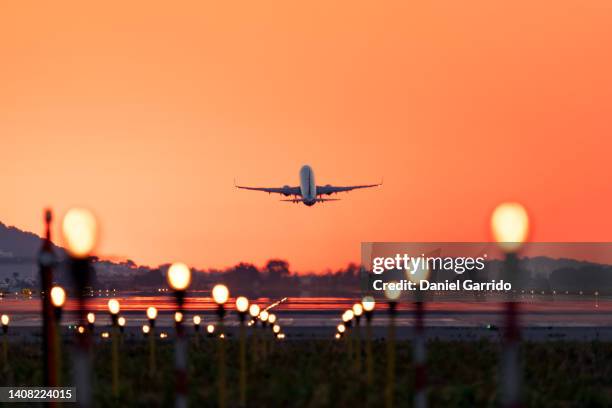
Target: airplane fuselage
<point>308,187</point>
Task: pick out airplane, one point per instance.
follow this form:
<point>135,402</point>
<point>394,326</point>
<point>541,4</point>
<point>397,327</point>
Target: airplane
<point>308,192</point>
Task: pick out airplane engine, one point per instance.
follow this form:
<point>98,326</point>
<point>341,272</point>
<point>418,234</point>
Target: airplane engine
<point>328,185</point>
<point>286,187</point>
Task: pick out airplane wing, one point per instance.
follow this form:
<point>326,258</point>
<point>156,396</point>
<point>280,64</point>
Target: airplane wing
<point>318,200</point>
<point>285,190</point>
<point>339,189</point>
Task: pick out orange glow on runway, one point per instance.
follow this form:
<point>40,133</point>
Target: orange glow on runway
<point>145,112</point>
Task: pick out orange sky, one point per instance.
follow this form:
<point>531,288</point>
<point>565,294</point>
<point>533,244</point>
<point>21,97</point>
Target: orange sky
<point>146,113</point>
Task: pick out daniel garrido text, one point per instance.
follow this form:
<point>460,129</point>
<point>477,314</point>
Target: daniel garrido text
<point>422,285</point>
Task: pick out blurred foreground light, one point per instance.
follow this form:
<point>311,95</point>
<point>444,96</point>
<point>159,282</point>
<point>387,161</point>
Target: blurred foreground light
<point>91,318</point>
<point>58,296</point>
<point>146,329</point>
<point>254,310</point>
<point>341,328</point>
<point>210,329</point>
<point>80,232</point>
<point>242,304</point>
<point>281,336</point>
<point>81,329</point>
<point>151,313</point>
<point>271,318</point>
<point>220,294</point>
<point>392,294</point>
<point>276,328</point>
<point>357,309</point>
<point>197,320</point>
<point>419,274</point>
<point>113,306</point>
<point>163,335</point>
<point>178,317</point>
<point>510,226</point>
<point>368,303</point>
<point>121,321</point>
<point>179,276</point>
<point>263,316</point>
<point>337,336</point>
<point>104,335</point>
<point>5,320</point>
<point>347,316</point>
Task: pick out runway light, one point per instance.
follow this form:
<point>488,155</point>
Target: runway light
<point>368,303</point>
<point>210,329</point>
<point>146,329</point>
<point>341,328</point>
<point>392,294</point>
<point>220,294</point>
<point>419,274</point>
<point>254,310</point>
<point>80,230</point>
<point>151,313</point>
<point>113,306</point>
<point>81,329</point>
<point>163,335</point>
<point>179,276</point>
<point>242,304</point>
<point>178,317</point>
<point>357,309</point>
<point>197,320</point>
<point>91,318</point>
<point>347,316</point>
<point>58,296</point>
<point>121,321</point>
<point>337,336</point>
<point>104,335</point>
<point>276,328</point>
<point>272,318</point>
<point>5,320</point>
<point>510,226</point>
<point>263,316</point>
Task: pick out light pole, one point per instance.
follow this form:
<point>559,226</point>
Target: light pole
<point>263,317</point>
<point>121,322</point>
<point>58,299</point>
<point>419,348</point>
<point>179,278</point>
<point>254,312</point>
<point>358,311</point>
<point>46,262</point>
<point>510,227</point>
<point>113,309</point>
<point>220,294</point>
<point>368,304</point>
<point>347,318</point>
<point>242,306</point>
<point>196,328</point>
<point>152,315</point>
<point>91,320</point>
<point>5,323</point>
<point>80,231</point>
<point>392,296</point>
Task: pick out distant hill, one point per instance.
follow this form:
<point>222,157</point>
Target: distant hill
<point>15,243</point>
<point>18,252</point>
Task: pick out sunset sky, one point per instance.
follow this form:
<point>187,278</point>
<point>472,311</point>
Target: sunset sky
<point>146,113</point>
